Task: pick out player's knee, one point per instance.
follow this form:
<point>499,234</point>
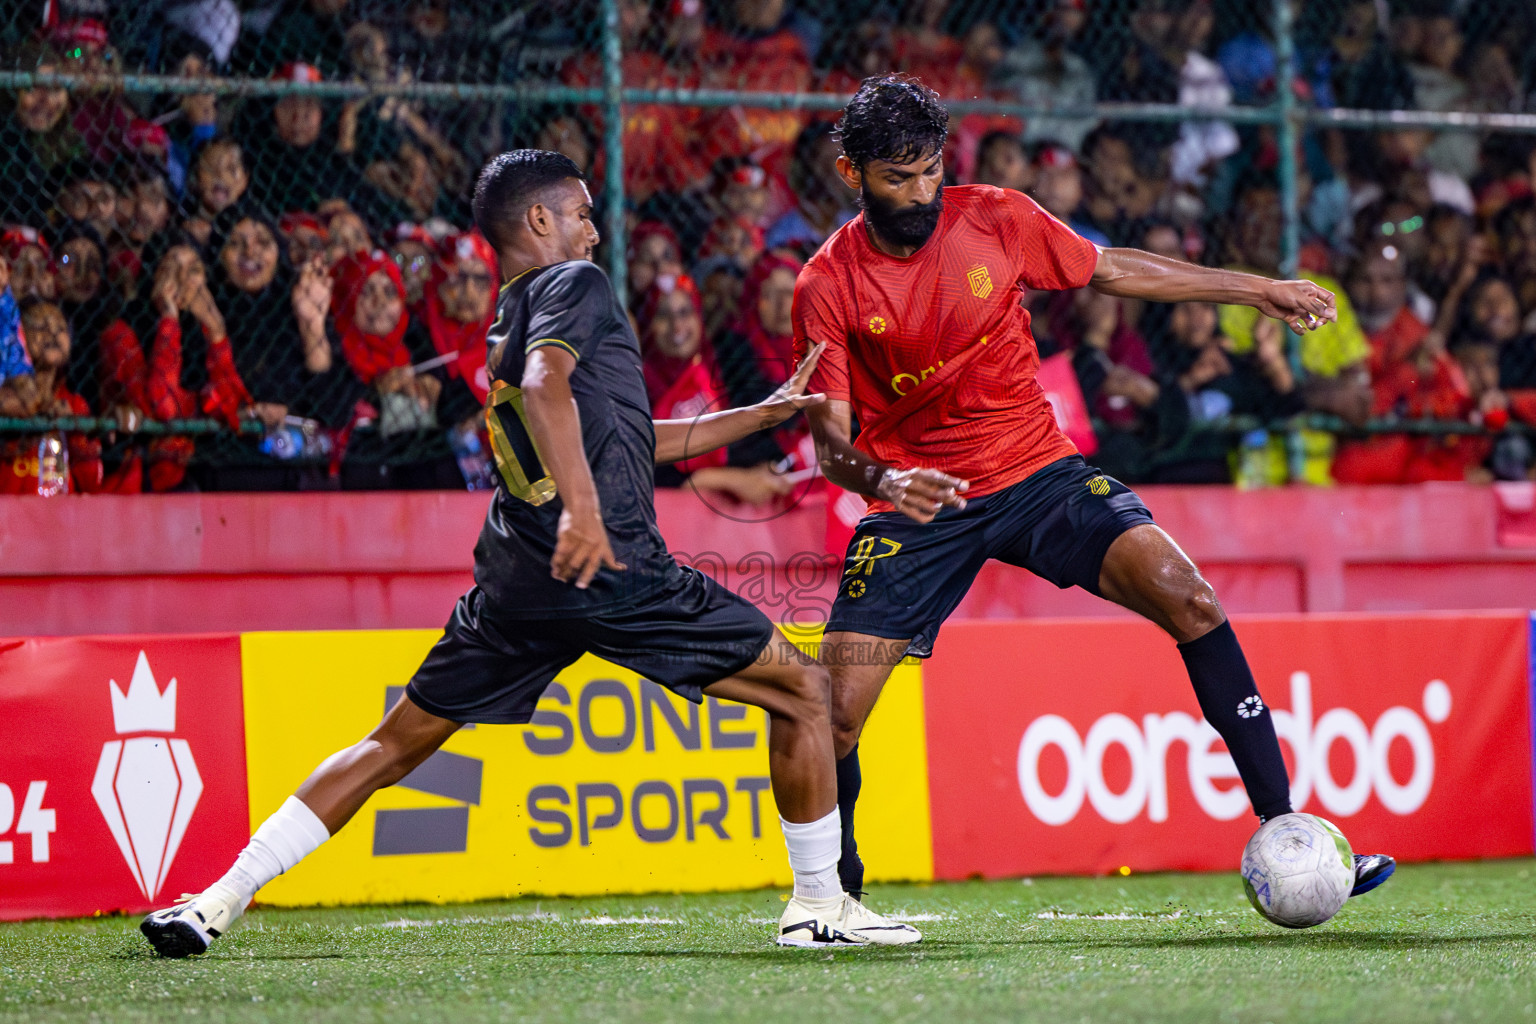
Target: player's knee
<point>845,734</point>
<point>811,689</point>
<point>387,763</point>
<point>1198,611</point>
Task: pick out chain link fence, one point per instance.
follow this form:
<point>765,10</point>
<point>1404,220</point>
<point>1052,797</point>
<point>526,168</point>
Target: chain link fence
<point>237,234</point>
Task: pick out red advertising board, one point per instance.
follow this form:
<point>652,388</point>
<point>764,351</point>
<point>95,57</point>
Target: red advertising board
<point>1074,747</point>
<point>122,771</point>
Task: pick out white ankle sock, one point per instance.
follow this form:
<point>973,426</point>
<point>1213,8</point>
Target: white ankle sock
<point>814,847</point>
<point>291,834</point>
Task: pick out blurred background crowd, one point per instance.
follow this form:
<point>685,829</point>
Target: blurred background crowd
<point>295,272</point>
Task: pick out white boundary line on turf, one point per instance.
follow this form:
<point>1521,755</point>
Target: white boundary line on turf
<point>1064,915</point>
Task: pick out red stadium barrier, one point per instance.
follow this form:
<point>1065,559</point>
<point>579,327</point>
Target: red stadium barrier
<point>1087,752</point>
<point>227,562</point>
<point>122,771</point>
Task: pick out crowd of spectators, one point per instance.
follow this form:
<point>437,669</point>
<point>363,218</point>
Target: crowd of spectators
<point>306,263</point>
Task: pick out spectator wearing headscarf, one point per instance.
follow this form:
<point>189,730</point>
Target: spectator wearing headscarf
<point>291,143</point>
<point>252,284</point>
<point>459,307</point>
<point>683,382</point>
<point>757,355</point>
<point>369,308</point>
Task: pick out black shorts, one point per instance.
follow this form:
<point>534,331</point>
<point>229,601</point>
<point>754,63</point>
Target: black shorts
<point>492,669</point>
<point>902,578</point>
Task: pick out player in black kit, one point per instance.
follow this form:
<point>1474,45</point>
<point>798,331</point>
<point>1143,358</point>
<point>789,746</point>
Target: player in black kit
<point>570,561</point>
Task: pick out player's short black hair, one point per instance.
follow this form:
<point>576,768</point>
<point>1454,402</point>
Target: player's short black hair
<point>511,183</point>
<point>892,117</point>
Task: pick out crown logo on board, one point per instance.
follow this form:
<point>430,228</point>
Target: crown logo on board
<point>143,708</point>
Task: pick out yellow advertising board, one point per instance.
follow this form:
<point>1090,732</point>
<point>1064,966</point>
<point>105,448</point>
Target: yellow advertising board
<point>617,786</point>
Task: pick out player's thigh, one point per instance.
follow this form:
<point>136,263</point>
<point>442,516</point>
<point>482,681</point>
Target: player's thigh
<point>487,668</point>
<point>901,579</point>
<point>1147,572</point>
<point>859,665</point>
<point>1061,523</point>
<point>783,680</point>
<point>686,637</point>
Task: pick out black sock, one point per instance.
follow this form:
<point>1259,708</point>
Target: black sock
<point>850,870</point>
<point>1230,700</point>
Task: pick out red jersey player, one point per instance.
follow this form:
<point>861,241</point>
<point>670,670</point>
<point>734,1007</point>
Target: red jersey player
<point>917,303</point>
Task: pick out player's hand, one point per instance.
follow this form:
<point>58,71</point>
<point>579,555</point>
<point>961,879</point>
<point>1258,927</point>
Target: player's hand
<point>581,548</point>
<point>920,493</point>
<point>1303,305</point>
<point>790,398</point>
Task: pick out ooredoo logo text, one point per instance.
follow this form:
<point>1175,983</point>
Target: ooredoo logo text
<point>1148,744</point>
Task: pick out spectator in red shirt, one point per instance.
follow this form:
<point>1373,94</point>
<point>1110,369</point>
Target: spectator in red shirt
<point>48,395</point>
<point>100,115</point>
<point>762,55</point>
<point>660,154</point>
<point>186,372</point>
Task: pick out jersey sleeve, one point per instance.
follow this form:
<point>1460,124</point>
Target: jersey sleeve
<point>821,315</point>
<point>1052,257</point>
<point>569,306</point>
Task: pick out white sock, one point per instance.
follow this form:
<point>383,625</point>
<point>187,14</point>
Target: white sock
<point>814,847</point>
<point>291,834</point>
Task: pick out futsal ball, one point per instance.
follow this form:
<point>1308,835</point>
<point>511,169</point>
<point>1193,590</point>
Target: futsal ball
<point>1298,870</point>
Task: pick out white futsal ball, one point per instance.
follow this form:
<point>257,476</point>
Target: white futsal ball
<point>1298,870</point>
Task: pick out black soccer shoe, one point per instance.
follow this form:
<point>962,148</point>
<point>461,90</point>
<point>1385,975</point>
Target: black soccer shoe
<point>1371,869</point>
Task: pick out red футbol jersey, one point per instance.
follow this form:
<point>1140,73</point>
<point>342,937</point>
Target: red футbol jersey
<point>891,323</point>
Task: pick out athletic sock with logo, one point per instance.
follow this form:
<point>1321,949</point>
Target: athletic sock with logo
<point>813,847</point>
<point>291,834</point>
<point>1230,700</point>
<point>850,869</point>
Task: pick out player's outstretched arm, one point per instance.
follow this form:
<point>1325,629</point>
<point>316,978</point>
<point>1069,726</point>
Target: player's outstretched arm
<point>917,493</point>
<point>1144,275</point>
<point>581,546</point>
<point>677,440</point>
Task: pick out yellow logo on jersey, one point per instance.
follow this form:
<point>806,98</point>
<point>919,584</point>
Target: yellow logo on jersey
<point>877,325</point>
<point>856,588</point>
<point>981,281</point>
<point>864,557</point>
<point>1098,486</point>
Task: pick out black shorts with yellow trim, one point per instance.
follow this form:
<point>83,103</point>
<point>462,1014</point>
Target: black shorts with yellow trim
<point>902,579</point>
<point>490,668</point>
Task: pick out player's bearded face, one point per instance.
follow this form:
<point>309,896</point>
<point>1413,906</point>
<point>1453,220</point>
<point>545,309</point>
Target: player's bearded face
<point>901,223</point>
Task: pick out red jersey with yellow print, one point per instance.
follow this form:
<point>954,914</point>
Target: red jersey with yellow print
<point>891,324</point>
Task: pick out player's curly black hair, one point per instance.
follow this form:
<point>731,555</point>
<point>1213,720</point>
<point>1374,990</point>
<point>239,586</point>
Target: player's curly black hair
<point>892,117</point>
<point>511,183</point>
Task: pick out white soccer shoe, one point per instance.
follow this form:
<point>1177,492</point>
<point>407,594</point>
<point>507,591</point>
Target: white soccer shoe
<point>840,921</point>
<point>194,922</point>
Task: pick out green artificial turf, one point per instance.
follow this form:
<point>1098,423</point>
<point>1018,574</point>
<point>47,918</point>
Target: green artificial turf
<point>1438,943</point>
